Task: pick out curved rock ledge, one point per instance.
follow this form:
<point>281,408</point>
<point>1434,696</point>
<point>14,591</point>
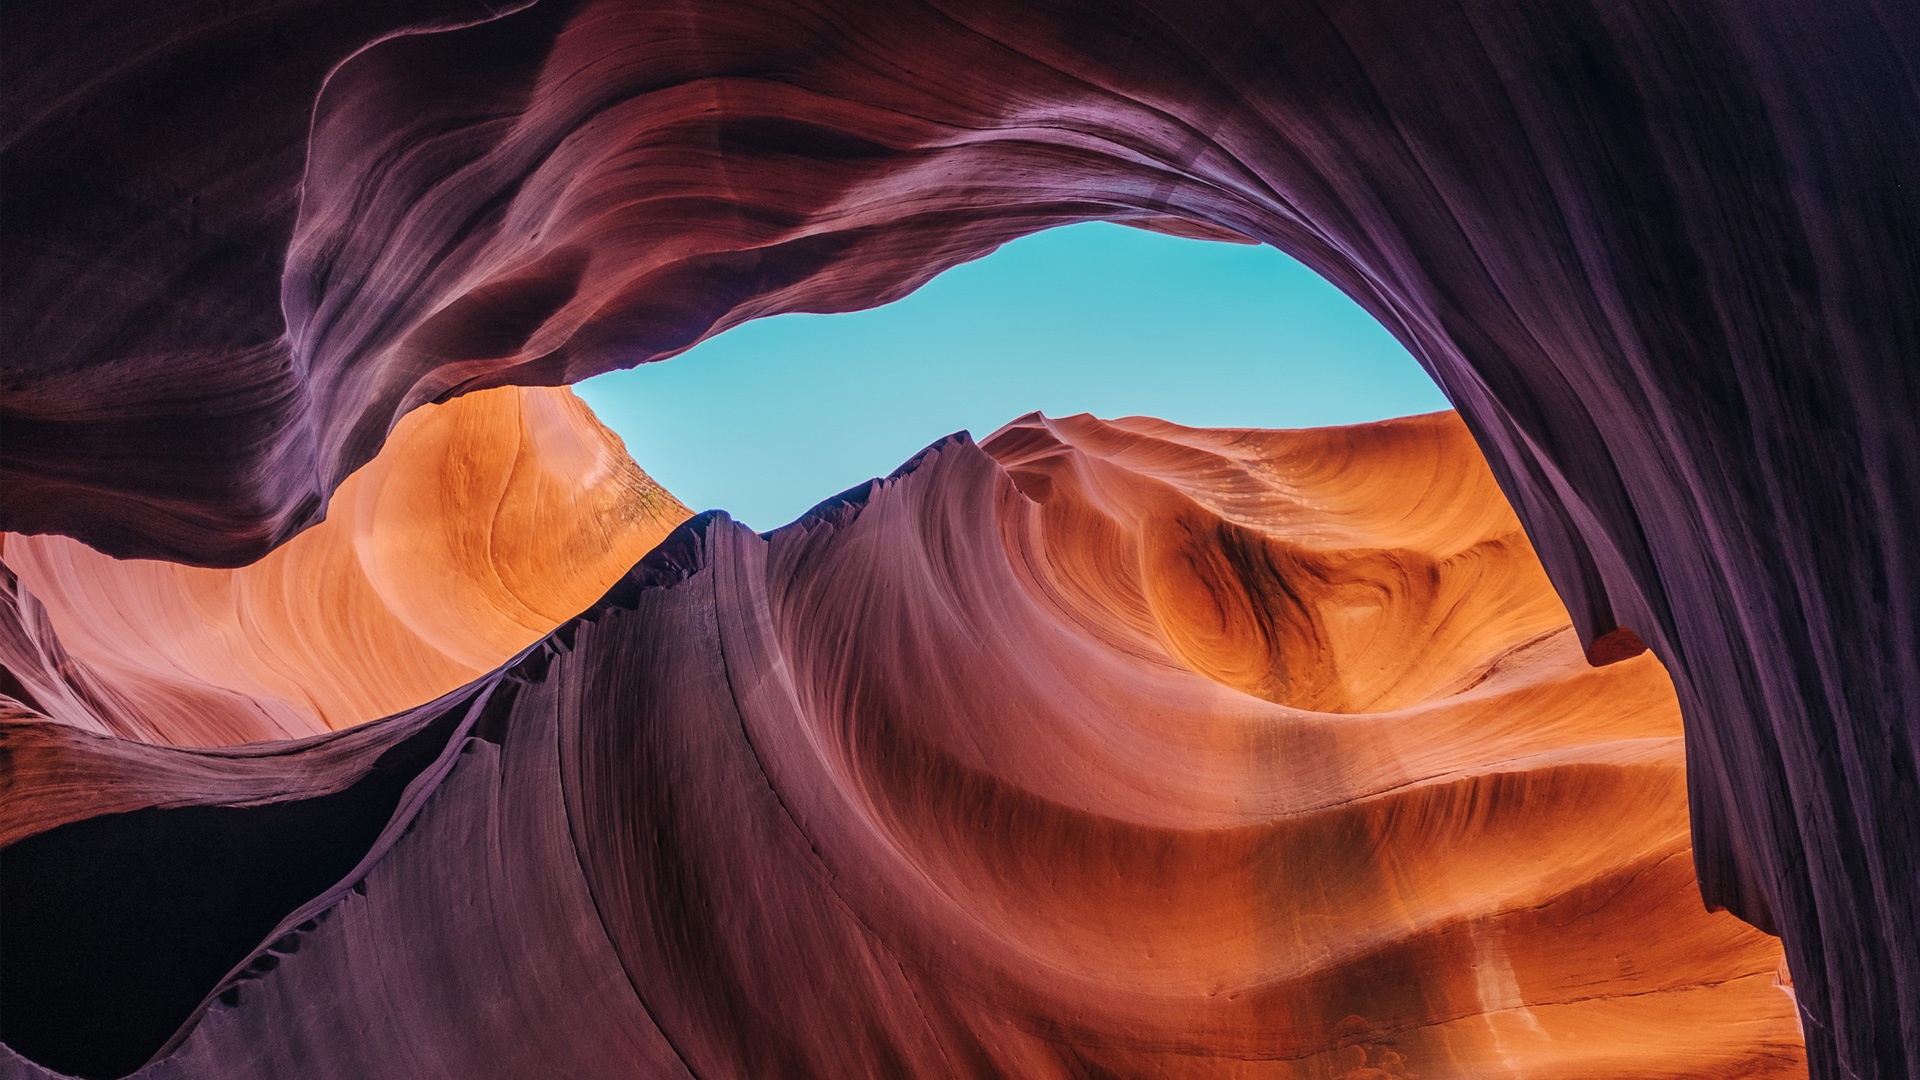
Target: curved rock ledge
<point>483,524</point>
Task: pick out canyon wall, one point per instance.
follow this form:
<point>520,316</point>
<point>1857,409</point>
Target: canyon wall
<point>1112,749</point>
<point>1662,258</point>
<point>483,524</point>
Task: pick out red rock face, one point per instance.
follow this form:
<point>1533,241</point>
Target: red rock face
<point>483,524</point>
<point>1119,749</point>
<point>1661,258</point>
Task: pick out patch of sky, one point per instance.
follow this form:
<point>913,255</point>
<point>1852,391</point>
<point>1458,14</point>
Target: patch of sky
<point>772,416</point>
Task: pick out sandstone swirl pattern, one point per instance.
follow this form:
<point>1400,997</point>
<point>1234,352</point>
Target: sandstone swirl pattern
<point>1102,749</point>
<point>1660,256</point>
<point>484,524</point>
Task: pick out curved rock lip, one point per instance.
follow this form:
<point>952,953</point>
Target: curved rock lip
<point>483,524</point>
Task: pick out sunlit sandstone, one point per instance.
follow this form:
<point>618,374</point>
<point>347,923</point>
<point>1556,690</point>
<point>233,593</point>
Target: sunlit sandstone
<point>483,524</point>
<point>1101,748</point>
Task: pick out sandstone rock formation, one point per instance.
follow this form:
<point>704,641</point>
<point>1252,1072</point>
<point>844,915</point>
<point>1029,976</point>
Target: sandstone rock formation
<point>1660,256</point>
<point>1118,749</point>
<point>482,525</point>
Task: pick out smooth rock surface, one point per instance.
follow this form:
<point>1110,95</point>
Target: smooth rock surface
<point>1118,749</point>
<point>1662,258</point>
<point>483,524</point>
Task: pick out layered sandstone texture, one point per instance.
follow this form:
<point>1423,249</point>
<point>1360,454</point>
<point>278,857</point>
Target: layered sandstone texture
<point>1662,258</point>
<point>1108,749</point>
<point>483,524</point>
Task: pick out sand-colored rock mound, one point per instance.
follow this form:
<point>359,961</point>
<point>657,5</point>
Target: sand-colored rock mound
<point>1354,569</point>
<point>484,523</point>
<point>1115,749</point>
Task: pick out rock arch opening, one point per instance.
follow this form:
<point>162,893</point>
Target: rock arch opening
<point>769,417</point>
<point>115,929</point>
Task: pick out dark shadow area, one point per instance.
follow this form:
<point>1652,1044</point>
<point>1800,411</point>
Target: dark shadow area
<point>114,929</point>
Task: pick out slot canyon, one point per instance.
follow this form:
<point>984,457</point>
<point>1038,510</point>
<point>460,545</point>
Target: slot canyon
<point>366,710</point>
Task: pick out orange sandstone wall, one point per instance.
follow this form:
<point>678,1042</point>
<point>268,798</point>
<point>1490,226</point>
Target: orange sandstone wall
<point>1100,749</point>
<point>1351,569</point>
<point>483,524</point>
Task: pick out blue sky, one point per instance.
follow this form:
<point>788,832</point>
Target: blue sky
<point>773,416</point>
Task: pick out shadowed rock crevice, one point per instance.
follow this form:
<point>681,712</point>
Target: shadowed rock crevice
<point>114,929</point>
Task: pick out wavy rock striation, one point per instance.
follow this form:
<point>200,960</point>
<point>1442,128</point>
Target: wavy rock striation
<point>482,525</point>
<point>1660,256</point>
<point>1118,749</point>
